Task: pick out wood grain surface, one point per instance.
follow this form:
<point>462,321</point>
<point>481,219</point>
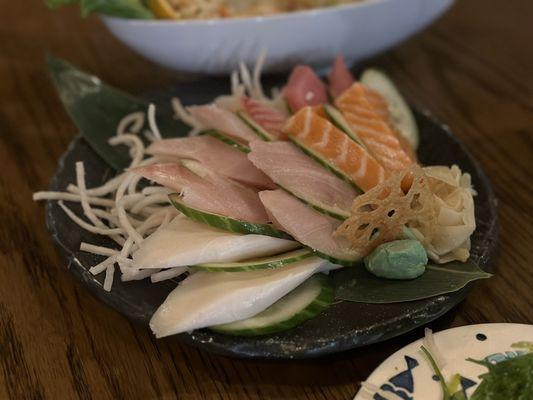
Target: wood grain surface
<point>472,69</point>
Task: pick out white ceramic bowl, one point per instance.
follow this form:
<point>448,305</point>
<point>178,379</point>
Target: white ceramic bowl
<point>312,37</point>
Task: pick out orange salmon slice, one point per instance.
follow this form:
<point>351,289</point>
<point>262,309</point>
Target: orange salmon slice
<point>367,113</point>
<point>322,138</point>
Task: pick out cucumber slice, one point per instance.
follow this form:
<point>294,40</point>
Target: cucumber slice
<point>334,212</point>
<point>345,262</point>
<point>254,126</point>
<point>325,163</point>
<point>340,122</point>
<point>401,115</point>
<point>271,262</point>
<point>226,223</point>
<point>303,303</point>
<point>227,140</point>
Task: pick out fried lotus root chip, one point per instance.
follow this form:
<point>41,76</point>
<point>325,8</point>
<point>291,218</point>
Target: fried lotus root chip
<point>381,214</point>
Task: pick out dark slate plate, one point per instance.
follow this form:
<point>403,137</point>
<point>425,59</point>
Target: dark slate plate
<point>343,326</point>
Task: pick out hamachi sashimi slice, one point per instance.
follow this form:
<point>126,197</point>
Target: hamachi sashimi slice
<point>364,113</point>
<point>306,225</point>
<point>265,116</point>
<point>215,155</point>
<point>211,298</point>
<point>323,138</point>
<point>294,171</point>
<point>211,116</point>
<point>304,88</point>
<point>184,242</point>
<point>214,194</point>
<point>340,78</point>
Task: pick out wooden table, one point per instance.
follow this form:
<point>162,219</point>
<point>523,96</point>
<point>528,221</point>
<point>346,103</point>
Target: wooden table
<point>472,69</point>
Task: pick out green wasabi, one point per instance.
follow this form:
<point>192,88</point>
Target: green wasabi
<point>400,259</point>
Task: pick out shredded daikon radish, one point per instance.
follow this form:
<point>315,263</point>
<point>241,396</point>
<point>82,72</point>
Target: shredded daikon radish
<point>131,123</point>
<point>151,121</point>
<point>183,115</point>
<point>38,196</point>
<point>135,141</point>
<point>100,250</point>
<point>167,274</point>
<point>108,281</point>
<point>256,77</point>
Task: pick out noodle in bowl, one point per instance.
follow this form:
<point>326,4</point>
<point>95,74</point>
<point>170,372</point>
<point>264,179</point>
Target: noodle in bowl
<point>312,37</point>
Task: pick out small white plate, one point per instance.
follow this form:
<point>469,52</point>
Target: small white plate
<point>408,374</point>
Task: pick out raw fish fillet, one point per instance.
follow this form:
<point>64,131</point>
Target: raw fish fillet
<point>212,116</point>
<point>304,88</point>
<point>211,298</point>
<point>293,170</point>
<point>184,242</point>
<point>270,119</point>
<point>340,78</point>
<point>364,113</point>
<point>214,193</point>
<point>323,138</point>
<point>215,155</point>
<point>306,225</point>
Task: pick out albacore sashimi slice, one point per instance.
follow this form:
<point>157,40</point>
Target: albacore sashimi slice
<point>340,77</point>
<point>211,116</point>
<point>308,226</point>
<point>364,111</point>
<point>213,193</point>
<point>294,171</point>
<point>321,138</point>
<point>214,154</point>
<point>304,88</point>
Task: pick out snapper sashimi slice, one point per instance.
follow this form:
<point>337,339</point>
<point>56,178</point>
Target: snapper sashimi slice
<point>306,225</point>
<point>304,88</point>
<point>324,140</point>
<point>211,116</point>
<point>215,155</point>
<point>340,77</point>
<point>184,242</point>
<point>294,171</point>
<point>267,117</point>
<point>363,112</point>
<point>211,193</point>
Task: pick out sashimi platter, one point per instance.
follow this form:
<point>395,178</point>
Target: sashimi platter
<point>283,217</point>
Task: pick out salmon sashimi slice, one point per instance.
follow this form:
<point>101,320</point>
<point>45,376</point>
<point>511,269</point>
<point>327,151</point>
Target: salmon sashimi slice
<point>210,192</point>
<point>304,88</point>
<point>364,113</point>
<point>325,141</point>
<point>340,78</point>
<point>306,225</point>
<point>215,155</point>
<point>297,173</point>
<point>211,116</point>
<point>270,119</point>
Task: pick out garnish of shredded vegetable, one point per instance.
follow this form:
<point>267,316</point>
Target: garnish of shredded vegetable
<point>122,211</point>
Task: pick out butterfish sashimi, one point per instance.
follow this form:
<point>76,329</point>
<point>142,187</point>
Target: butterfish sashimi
<point>265,116</point>
<point>215,155</point>
<point>362,110</point>
<point>211,298</point>
<point>211,116</point>
<point>340,77</point>
<point>184,242</point>
<point>304,88</point>
<point>294,171</point>
<point>306,225</point>
<point>323,139</point>
<point>214,194</point>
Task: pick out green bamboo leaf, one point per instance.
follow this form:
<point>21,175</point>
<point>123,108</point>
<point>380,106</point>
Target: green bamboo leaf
<point>358,285</point>
<point>96,108</point>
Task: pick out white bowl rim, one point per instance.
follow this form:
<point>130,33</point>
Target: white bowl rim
<point>311,13</point>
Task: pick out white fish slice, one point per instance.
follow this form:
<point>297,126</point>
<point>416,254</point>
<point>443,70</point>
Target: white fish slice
<point>184,242</point>
<point>212,298</point>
